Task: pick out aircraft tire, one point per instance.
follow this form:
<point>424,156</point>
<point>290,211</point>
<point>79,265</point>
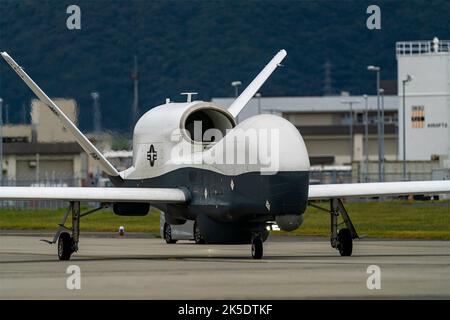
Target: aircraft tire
<point>257,248</point>
<point>197,235</point>
<point>345,246</point>
<point>65,246</point>
<point>168,234</point>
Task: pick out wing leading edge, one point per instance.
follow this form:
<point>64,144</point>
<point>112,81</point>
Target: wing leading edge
<point>348,190</point>
<point>151,195</point>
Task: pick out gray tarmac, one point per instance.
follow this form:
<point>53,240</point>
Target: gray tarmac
<point>292,268</point>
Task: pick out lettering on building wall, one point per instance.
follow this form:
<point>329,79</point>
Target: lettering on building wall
<point>437,125</point>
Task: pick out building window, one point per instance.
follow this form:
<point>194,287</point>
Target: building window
<point>417,117</point>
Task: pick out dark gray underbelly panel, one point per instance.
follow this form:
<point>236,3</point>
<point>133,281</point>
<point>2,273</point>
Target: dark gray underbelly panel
<point>248,196</point>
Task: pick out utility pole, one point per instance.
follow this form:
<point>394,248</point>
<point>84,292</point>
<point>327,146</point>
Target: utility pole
<point>24,113</point>
<point>135,78</point>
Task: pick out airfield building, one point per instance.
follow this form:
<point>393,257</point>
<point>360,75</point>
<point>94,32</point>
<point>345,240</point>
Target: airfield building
<point>325,121</point>
<point>427,99</point>
<point>43,152</point>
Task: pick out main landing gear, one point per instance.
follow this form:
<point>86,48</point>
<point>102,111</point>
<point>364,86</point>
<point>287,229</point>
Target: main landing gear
<point>341,239</point>
<point>68,238</point>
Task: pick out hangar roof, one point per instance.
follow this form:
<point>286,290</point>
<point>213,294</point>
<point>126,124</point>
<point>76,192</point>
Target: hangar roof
<point>314,104</point>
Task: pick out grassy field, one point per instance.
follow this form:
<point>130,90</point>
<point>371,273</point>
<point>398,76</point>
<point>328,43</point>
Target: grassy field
<point>104,220</point>
<point>396,219</point>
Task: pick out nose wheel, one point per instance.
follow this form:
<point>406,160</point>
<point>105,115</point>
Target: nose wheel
<point>257,247</point>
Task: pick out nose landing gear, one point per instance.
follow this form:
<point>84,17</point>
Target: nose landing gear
<point>257,246</point>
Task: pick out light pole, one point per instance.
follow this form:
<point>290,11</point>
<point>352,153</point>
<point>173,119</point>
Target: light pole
<point>236,85</point>
<point>366,138</point>
<point>404,82</point>
<point>383,173</point>
<point>97,116</point>
<point>351,103</point>
<point>380,162</point>
<point>258,96</point>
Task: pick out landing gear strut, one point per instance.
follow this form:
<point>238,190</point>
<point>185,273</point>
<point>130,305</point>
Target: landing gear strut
<point>341,239</point>
<point>68,242</point>
<point>68,238</point>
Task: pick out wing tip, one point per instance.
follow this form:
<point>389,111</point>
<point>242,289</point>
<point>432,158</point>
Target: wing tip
<point>7,57</point>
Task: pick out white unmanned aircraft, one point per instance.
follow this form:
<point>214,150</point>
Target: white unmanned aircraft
<point>232,202</point>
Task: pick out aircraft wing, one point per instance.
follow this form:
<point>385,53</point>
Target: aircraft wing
<point>84,142</point>
<point>151,195</point>
<point>254,86</point>
<point>348,190</point>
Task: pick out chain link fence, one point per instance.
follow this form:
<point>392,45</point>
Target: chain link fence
<point>315,177</point>
<point>349,176</point>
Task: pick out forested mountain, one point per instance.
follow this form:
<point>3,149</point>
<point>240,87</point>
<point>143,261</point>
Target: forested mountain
<point>201,46</point>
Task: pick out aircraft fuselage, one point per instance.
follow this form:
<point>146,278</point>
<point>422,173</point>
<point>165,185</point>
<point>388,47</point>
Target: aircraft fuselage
<point>243,175</point>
